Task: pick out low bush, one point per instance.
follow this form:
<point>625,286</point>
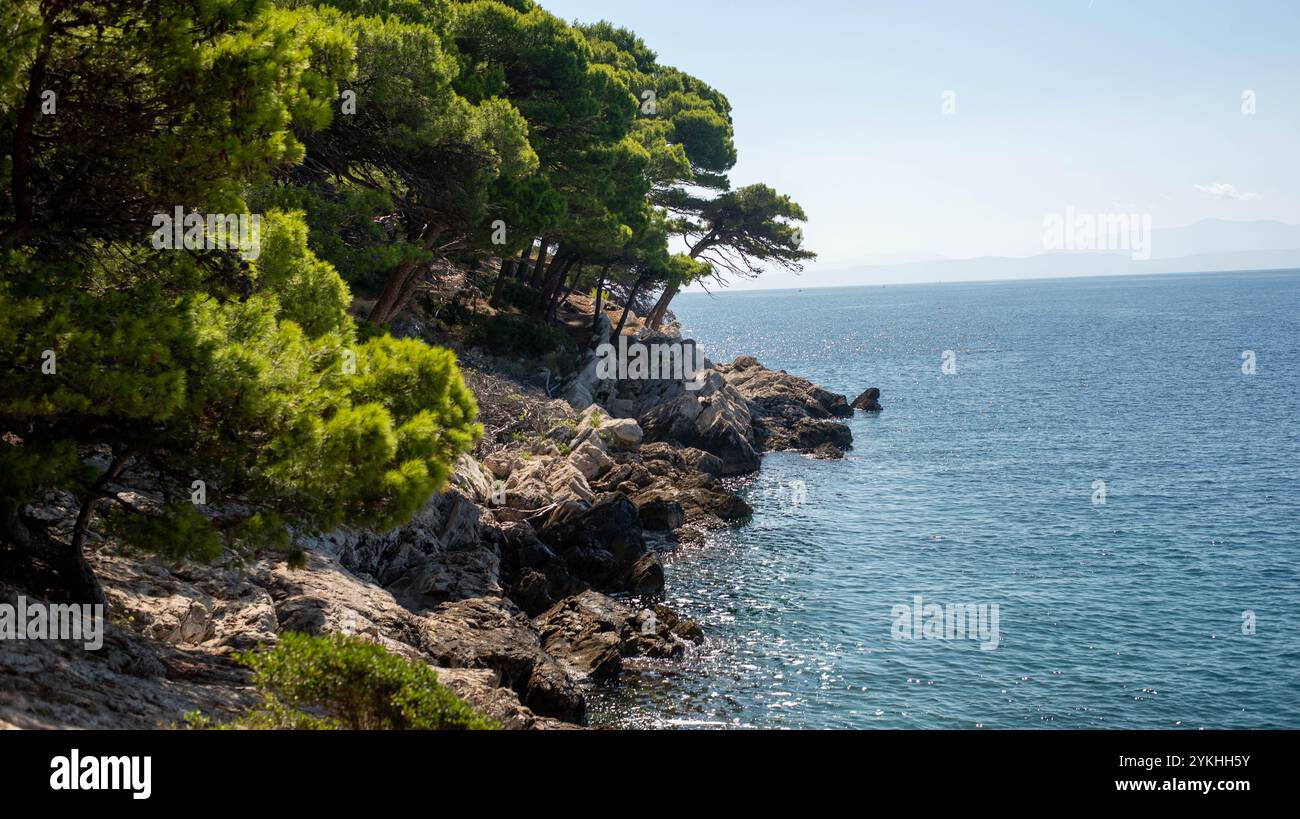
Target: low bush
<point>342,681</point>
<point>506,335</point>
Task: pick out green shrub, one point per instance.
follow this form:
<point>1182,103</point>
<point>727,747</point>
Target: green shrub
<point>343,681</point>
<point>519,295</point>
<point>506,335</point>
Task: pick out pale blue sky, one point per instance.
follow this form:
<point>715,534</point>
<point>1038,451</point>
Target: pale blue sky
<point>1104,106</point>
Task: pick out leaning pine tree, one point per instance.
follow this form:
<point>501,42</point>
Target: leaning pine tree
<point>233,392</point>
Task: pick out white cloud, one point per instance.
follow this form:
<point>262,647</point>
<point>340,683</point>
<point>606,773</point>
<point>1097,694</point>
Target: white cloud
<point>1224,190</point>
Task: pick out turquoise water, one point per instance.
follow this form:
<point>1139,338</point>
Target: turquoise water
<point>979,487</point>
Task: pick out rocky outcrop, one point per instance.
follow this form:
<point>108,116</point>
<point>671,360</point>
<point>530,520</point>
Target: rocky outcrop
<point>790,412</point>
<point>601,544</point>
<point>482,633</point>
<point>537,573</point>
<point>592,634</point>
<point>736,411</point>
<point>776,393</point>
<point>868,401</point>
<point>713,419</point>
<point>132,681</point>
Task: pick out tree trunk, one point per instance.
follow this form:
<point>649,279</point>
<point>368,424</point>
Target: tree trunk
<point>23,215</point>
<point>392,290</point>
<point>399,283</point>
<point>407,291</point>
<point>539,267</point>
<point>572,286</point>
<point>78,577</point>
<point>563,290</point>
<point>75,575</point>
<point>507,269</point>
<point>547,281</point>
<point>600,297</point>
<point>555,280</point>
<point>656,316</point>
<point>521,269</point>
<point>627,308</point>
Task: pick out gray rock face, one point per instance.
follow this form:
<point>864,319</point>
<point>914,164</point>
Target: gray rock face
<point>480,633</point>
<point>132,681</point>
<point>714,419</point>
<point>790,412</point>
<point>621,434</point>
<point>599,545</point>
<point>438,556</point>
<point>591,634</point>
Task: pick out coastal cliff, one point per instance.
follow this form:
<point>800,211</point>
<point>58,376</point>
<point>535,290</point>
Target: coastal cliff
<point>531,578</point>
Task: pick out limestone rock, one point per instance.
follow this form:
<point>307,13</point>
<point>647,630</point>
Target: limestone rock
<point>789,412</point>
<point>590,460</point>
<point>621,434</point>
<point>600,544</point>
<point>591,634</point>
<point>479,633</point>
<point>471,478</point>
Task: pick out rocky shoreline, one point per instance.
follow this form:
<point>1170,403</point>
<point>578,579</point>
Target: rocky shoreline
<point>529,580</point>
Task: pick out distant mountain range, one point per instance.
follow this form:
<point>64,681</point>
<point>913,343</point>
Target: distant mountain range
<point>1208,245</point>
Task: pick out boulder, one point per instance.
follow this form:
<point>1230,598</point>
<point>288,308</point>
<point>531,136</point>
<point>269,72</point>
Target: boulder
<point>725,429</point>
<point>700,461</point>
<point>621,434</point>
<point>716,422</point>
<point>479,633</point>
<point>868,401</point>
<point>590,460</point>
<point>472,479</point>
<point>659,510</point>
<point>683,627</point>
<point>672,422</point>
<point>591,634</point>
<point>601,544</point>
<point>647,576</point>
<point>809,434</point>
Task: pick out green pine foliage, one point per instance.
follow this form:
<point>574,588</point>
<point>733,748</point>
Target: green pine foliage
<point>369,140</point>
<point>241,373</point>
<point>340,681</point>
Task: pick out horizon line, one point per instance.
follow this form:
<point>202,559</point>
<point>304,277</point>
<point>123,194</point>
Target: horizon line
<point>724,290</point>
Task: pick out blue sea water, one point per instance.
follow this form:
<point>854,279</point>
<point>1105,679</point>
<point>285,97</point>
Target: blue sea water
<point>979,486</point>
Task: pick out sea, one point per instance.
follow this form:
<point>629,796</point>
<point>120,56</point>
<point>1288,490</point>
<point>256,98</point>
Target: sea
<point>1079,508</point>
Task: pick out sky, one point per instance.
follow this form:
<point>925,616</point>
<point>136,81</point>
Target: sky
<point>1102,106</point>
